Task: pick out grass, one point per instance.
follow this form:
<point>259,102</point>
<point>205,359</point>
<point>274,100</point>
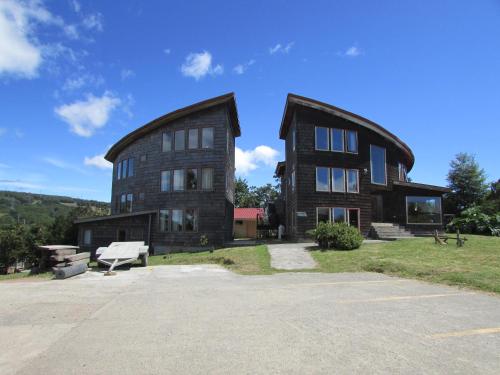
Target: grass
<point>476,265</point>
<point>26,276</point>
<point>253,260</point>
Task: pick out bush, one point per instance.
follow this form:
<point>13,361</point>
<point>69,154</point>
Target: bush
<point>474,221</point>
<point>337,236</point>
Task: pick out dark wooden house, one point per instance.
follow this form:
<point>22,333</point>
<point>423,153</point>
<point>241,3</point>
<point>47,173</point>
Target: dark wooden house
<point>173,181</point>
<point>342,167</point>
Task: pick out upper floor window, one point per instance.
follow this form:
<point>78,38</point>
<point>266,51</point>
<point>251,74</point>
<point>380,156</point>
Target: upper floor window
<point>179,140</point>
<point>166,183</point>
<point>177,220</point>
<point>322,179</point>
<point>119,171</point>
<point>338,180</point>
<point>207,138</point>
<point>337,140</point>
<point>167,142</point>
<point>294,138</point>
<point>192,179</point>
<point>322,142</point>
<point>131,170</point>
<point>125,169</point>
<point>293,180</point>
<point>378,166</point>
<point>402,172</point>
<point>351,141</point>
<point>193,138</point>
<point>352,180</point>
<point>130,198</point>
<point>207,178</point>
<point>126,202</point>
<point>178,179</point>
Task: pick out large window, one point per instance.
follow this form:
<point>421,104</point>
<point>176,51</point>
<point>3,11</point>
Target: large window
<point>338,180</point>
<point>177,220</point>
<point>207,138</point>
<point>191,179</point>
<point>178,179</point>
<point>180,140</point>
<point>338,215</point>
<point>337,140</point>
<point>207,178</point>
<point>167,142</point>
<point>193,138</point>
<point>377,163</point>
<point>423,210</point>
<point>352,180</point>
<point>351,141</point>
<point>322,179</point>
<point>166,183</point>
<point>322,139</point>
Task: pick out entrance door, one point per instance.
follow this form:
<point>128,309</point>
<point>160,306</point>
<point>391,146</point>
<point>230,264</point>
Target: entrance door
<point>377,208</point>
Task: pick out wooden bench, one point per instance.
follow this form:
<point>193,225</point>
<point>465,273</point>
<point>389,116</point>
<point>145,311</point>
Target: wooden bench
<point>443,240</point>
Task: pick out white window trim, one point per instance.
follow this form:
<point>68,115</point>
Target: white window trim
<point>440,205</point>
<point>328,179</point>
<point>330,135</point>
<point>346,214</point>
<point>359,216</point>
<point>347,180</point>
<point>328,148</point>
<point>332,210</point>
<point>332,188</point>
<point>357,142</point>
<point>329,214</point>
<point>385,166</point>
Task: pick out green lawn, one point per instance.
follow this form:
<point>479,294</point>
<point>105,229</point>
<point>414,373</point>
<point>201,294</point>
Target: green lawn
<point>476,265</point>
<point>27,276</point>
<point>253,260</point>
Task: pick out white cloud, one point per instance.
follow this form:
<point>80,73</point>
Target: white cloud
<point>249,160</point>
<point>62,164</point>
<point>167,51</point>
<point>86,116</point>
<point>198,65</point>
<point>127,73</point>
<point>83,80</point>
<point>76,6</point>
<point>352,51</point>
<point>242,68</point>
<point>3,131</point>
<point>93,22</point>
<point>281,48</point>
<point>28,185</point>
<point>98,161</point>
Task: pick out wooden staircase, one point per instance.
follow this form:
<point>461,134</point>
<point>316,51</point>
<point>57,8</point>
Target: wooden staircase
<point>389,231</point>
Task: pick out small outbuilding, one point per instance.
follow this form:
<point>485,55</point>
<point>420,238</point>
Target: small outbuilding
<point>246,221</point>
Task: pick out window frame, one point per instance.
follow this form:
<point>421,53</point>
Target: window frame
<point>317,214</point>
<point>424,196</point>
<point>195,220</point>
<point>344,180</point>
<point>84,239</point>
<point>169,132</point>
<point>196,174</point>
<point>172,220</point>
<point>385,166</point>
<point>347,142</point>
<point>131,200</point>
<point>167,224</point>
<point>203,188</point>
<point>213,138</point>
<point>347,180</point>
<point>316,138</point>
<point>197,132</point>
<point>328,179</point>
<point>169,174</point>
<point>402,172</point>
<point>119,171</point>
<point>183,179</point>
<point>183,140</point>
<point>342,132</point>
<point>130,171</point>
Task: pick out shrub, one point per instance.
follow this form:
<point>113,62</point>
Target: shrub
<point>473,220</point>
<point>338,236</point>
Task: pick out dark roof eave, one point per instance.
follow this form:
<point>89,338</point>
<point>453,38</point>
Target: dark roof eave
<point>228,99</point>
<point>415,185</point>
<point>280,169</point>
<point>112,217</point>
<point>293,100</point>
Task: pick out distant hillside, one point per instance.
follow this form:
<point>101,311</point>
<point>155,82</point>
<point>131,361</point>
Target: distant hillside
<point>42,209</point>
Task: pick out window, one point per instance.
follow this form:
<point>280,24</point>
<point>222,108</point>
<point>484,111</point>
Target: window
<point>352,181</point>
<point>294,138</point>
<point>293,180</point>
<point>193,138</point>
<point>180,140</point>
<point>322,215</point>
<point>351,141</point>
<point>167,142</point>
<point>191,179</point>
<point>166,183</point>
<point>130,198</point>
<point>207,138</point>
<point>179,180</point>
<point>124,168</point>
<point>87,237</point>
<point>322,179</point>
<point>423,210</point>
<point>338,180</point>
<point>190,223</point>
<point>337,140</point>
<point>339,215</point>
<point>402,172</point>
<point>164,221</point>
<point>123,202</point>
<point>377,164</point>
<point>177,220</point>
<point>322,139</point>
<point>119,171</point>
<point>141,197</point>
<point>130,167</point>
<point>207,178</point>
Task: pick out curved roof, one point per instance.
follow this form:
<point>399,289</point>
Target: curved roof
<point>293,100</point>
<point>165,119</point>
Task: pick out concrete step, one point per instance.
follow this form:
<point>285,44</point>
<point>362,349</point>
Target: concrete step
<point>389,231</point>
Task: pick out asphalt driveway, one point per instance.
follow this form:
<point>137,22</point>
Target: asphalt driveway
<point>204,319</point>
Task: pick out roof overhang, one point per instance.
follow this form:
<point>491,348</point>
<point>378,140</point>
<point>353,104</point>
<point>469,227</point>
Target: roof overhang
<point>414,185</point>
<point>112,217</point>
<point>280,169</point>
<point>228,99</point>
<point>293,101</point>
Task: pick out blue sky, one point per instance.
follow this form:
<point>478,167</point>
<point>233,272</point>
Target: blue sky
<point>75,76</point>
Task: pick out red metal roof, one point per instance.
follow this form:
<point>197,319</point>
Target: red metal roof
<point>247,213</point>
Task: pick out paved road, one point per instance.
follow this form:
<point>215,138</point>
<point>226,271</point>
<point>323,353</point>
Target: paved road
<point>204,319</point>
<point>291,256</point>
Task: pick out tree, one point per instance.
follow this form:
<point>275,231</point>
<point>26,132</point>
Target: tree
<point>251,196</point>
<point>467,182</point>
<point>266,193</point>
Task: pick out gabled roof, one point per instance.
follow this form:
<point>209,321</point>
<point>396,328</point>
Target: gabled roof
<point>228,99</point>
<point>293,100</point>
<point>247,213</point>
